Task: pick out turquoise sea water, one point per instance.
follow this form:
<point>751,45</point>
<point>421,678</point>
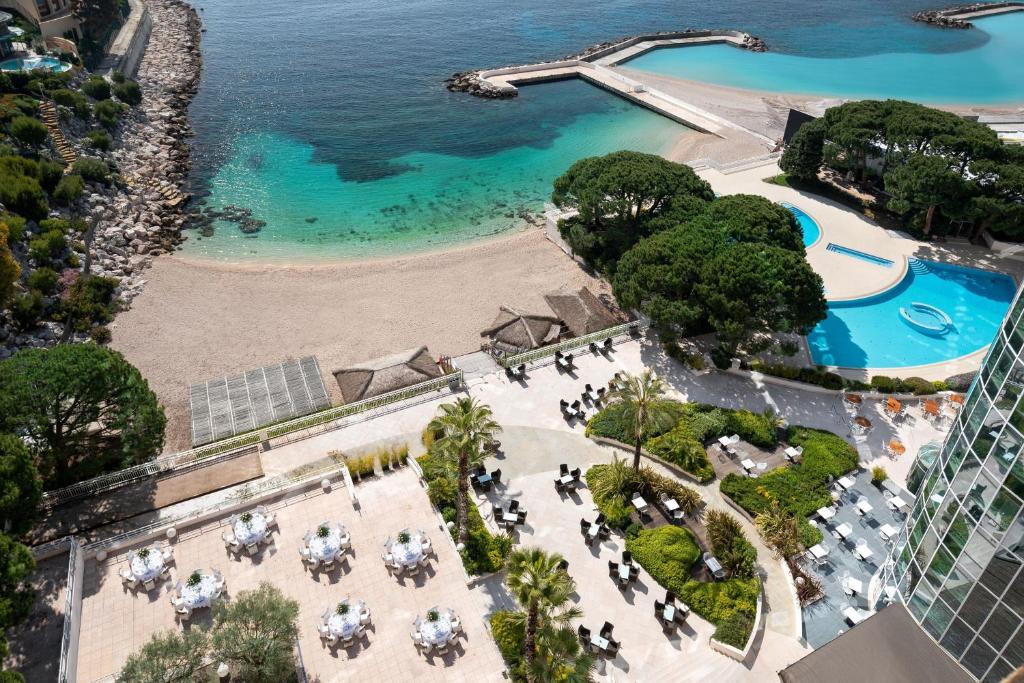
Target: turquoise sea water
<point>337,111</point>
<point>869,333</point>
<point>989,73</point>
<point>433,199</point>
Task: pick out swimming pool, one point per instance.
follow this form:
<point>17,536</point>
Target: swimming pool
<point>807,225</point>
<point>29,63</point>
<point>874,332</point>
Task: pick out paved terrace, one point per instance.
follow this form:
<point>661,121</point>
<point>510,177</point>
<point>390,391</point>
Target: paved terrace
<point>529,462</point>
<point>116,622</point>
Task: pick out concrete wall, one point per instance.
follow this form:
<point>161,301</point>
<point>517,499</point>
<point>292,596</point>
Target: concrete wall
<point>604,52</point>
<point>129,45</point>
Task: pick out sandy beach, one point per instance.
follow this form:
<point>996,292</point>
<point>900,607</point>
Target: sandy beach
<point>197,320</point>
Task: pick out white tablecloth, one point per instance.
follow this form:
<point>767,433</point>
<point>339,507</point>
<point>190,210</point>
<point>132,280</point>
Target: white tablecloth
<point>407,553</point>
<point>327,547</point>
<point>252,533</point>
<point>436,632</point>
<point>149,567</point>
<point>344,625</point>
<point>202,594</point>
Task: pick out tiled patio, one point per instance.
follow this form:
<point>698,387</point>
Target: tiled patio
<point>726,463</point>
<point>529,466</point>
<point>116,623</point>
<point>824,619</point>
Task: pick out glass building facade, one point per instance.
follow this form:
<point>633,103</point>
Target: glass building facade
<point>957,563</point>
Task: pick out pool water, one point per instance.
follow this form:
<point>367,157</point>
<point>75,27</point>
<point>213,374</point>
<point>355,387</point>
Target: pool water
<point>29,63</point>
<point>870,333</point>
<point>808,225</point>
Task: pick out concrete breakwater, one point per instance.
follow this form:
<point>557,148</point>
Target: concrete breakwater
<point>959,16</point>
<point>476,82</point>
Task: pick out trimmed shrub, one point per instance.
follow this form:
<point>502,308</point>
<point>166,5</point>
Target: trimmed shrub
<point>607,422</point>
<point>735,629</point>
<point>668,553</point>
<point>96,87</point>
<point>73,100</point>
<point>509,633</point>
<point>755,429</point>
<point>717,601</point>
<point>69,188</point>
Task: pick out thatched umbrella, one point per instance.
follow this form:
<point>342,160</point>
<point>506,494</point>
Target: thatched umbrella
<point>514,332</point>
<point>582,312</point>
<point>389,373</point>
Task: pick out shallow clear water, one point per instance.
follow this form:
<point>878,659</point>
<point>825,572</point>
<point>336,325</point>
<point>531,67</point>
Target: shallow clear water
<point>434,199</point>
<point>808,226</point>
<point>869,333</point>
<point>336,109</point>
<point>988,73</point>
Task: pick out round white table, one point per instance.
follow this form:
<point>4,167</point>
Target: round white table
<point>253,531</point>
<point>407,554</point>
<point>344,625</point>
<point>436,632</point>
<point>326,547</point>
<point>202,594</point>
<point>149,567</point>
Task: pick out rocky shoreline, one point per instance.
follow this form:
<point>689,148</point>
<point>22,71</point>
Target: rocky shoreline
<point>471,82</point>
<point>140,215</point>
<point>949,17</point>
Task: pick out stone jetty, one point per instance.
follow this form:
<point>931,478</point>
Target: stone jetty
<point>476,83</point>
<point>960,15</point>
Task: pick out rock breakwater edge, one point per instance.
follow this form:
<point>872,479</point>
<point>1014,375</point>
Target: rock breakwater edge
<point>142,216</point>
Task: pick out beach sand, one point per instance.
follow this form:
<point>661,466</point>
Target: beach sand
<point>197,320</point>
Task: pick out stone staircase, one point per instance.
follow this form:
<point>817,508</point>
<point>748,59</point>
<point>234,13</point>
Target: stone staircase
<point>48,113</point>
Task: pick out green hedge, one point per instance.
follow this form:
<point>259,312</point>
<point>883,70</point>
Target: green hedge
<point>698,424</point>
<point>509,633</point>
<point>816,376</point>
<point>801,488</point>
<point>911,385</point>
<point>668,554</point>
<point>484,552</point>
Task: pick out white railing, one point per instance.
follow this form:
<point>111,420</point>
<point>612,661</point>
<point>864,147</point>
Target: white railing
<point>231,447</point>
<point>67,672</point>
<point>567,345</point>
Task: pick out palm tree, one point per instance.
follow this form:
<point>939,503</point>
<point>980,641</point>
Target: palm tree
<point>643,407</point>
<point>543,590</point>
<point>465,428</point>
<point>561,658</point>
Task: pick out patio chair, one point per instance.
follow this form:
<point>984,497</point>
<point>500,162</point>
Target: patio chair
<point>601,391</point>
<point>564,407</point>
<point>510,373</point>
<point>564,565</point>
<point>521,371</point>
<point>659,609</point>
<point>165,573</point>
<point>128,579</point>
<point>513,505</point>
<point>563,469</point>
<point>600,518</point>
<point>605,533</point>
<point>607,344</point>
<point>423,561</point>
<point>327,565</point>
<point>670,597</point>
<point>455,622</point>
<point>584,526</point>
<point>613,568</point>
<point>325,631</point>
<point>251,549</point>
<point>634,573</point>
<point>230,542</point>
<point>627,557</point>
<point>584,634</point>
<point>496,476</point>
<point>576,474</point>
<point>413,570</point>
<point>149,585</point>
<point>521,517</point>
<point>271,520</point>
<point>168,554</point>
<point>345,541</point>
<point>593,348</point>
<point>559,486</point>
<point>606,630</point>
<point>364,615</point>
<point>428,548</point>
<point>588,392</point>
<point>613,648</point>
<point>417,639</point>
<point>441,649</point>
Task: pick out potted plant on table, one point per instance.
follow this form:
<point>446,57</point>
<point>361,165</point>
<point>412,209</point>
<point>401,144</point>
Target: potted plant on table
<point>246,518</point>
<point>342,608</point>
<point>194,578</point>
<point>322,531</point>
<point>404,537</point>
<point>143,554</point>
<point>433,615</point>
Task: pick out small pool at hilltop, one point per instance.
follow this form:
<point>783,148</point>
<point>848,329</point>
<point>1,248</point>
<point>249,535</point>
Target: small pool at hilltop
<point>896,328</point>
<point>808,225</point>
<point>29,63</point>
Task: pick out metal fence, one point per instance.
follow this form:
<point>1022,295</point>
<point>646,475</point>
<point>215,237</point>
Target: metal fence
<point>231,447</point>
<point>568,345</point>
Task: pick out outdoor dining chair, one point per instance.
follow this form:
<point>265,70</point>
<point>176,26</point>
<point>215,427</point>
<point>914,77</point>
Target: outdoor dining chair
<point>128,578</point>
<point>576,474</point>
<point>563,469</point>
<point>606,630</point>
<point>584,635</point>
